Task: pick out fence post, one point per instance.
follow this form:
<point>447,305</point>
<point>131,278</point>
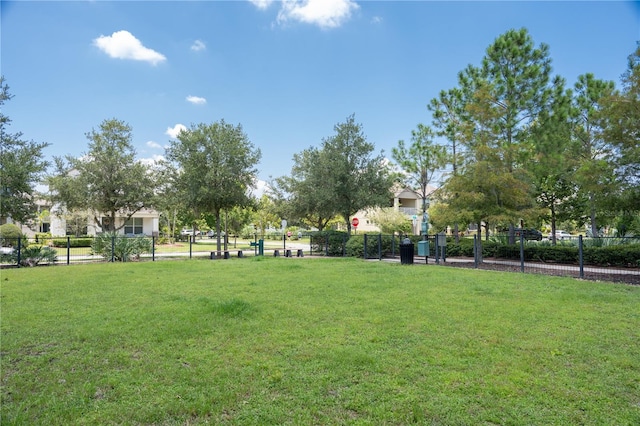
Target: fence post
<point>379,246</point>
<point>191,246</point>
<point>365,246</point>
<point>153,248</point>
<point>521,251</point>
<point>580,256</point>
<point>326,245</point>
<point>68,249</point>
<point>435,238</point>
<point>113,247</point>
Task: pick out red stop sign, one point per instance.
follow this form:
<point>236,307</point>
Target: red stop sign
<point>355,222</point>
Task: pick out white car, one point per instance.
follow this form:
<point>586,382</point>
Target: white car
<point>561,235</point>
<point>6,250</point>
<point>185,232</point>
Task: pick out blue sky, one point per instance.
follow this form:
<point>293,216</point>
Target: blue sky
<point>287,71</point>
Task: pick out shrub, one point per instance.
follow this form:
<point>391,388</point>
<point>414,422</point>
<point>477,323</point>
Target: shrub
<point>463,248</point>
<point>335,240</point>
<point>389,244</point>
<point>10,233</point>
<point>73,242</point>
<point>42,236</point>
<point>621,255</point>
<point>119,248</point>
<point>36,254</point>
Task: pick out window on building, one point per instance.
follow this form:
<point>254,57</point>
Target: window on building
<point>133,226</point>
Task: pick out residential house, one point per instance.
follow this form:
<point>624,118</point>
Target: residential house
<point>405,200</point>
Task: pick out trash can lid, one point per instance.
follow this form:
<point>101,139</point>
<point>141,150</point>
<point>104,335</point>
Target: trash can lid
<point>406,241</point>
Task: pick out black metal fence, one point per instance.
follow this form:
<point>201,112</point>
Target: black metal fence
<point>610,259</point>
<point>604,258</point>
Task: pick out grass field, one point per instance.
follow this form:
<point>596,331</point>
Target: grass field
<point>314,341</point>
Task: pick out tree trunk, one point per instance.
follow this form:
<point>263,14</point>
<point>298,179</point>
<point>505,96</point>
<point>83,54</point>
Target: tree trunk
<point>218,242</point>
<point>594,226</point>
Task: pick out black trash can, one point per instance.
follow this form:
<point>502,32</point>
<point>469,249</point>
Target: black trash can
<point>406,252</point>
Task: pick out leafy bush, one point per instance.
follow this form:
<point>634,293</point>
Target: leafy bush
<point>389,244</point>
<point>10,233</point>
<point>625,255</point>
<point>335,240</point>
<point>463,248</point>
<point>73,242</point>
<point>30,256</point>
<point>119,248</point>
<point>36,254</point>
<point>621,255</point>
<point>42,236</point>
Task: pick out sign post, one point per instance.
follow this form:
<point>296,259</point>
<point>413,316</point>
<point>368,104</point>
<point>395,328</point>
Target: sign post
<point>284,236</point>
<point>355,222</point>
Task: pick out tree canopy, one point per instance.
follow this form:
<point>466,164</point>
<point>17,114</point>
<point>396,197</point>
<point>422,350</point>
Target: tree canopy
<point>107,181</point>
<point>22,167</point>
<point>213,166</point>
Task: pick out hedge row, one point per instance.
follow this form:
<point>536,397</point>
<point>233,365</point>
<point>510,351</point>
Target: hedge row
<point>73,242</point>
<point>620,255</point>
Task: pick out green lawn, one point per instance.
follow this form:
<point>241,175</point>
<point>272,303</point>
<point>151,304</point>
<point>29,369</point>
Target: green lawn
<point>314,341</point>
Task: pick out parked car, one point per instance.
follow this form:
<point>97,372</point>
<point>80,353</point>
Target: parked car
<point>213,234</point>
<point>186,232</point>
<point>6,250</point>
<point>560,235</point>
<point>529,234</point>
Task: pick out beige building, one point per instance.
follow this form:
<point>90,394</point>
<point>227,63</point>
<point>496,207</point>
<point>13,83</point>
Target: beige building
<point>405,200</point>
<point>56,221</point>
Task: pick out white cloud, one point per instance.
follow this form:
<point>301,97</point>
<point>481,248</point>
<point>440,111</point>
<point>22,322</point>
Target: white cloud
<point>259,188</point>
<point>154,145</point>
<point>262,4</point>
<point>152,161</point>
<point>376,20</point>
<point>123,45</point>
<point>198,45</point>
<point>173,131</point>
<point>324,13</point>
<point>196,100</point>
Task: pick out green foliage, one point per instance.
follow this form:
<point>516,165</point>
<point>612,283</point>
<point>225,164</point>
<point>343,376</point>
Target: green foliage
<point>614,254</point>
<point>211,168</point>
<point>386,243</point>
<point>10,231</point>
<point>622,115</point>
<point>619,255</point>
<point>391,221</point>
<point>107,179</point>
<point>21,168</point>
<point>120,248</point>
<point>73,242</point>
<point>463,248</point>
<point>331,242</point>
<point>37,254</point>
<point>42,236</point>
<point>421,160</point>
<point>304,196</point>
